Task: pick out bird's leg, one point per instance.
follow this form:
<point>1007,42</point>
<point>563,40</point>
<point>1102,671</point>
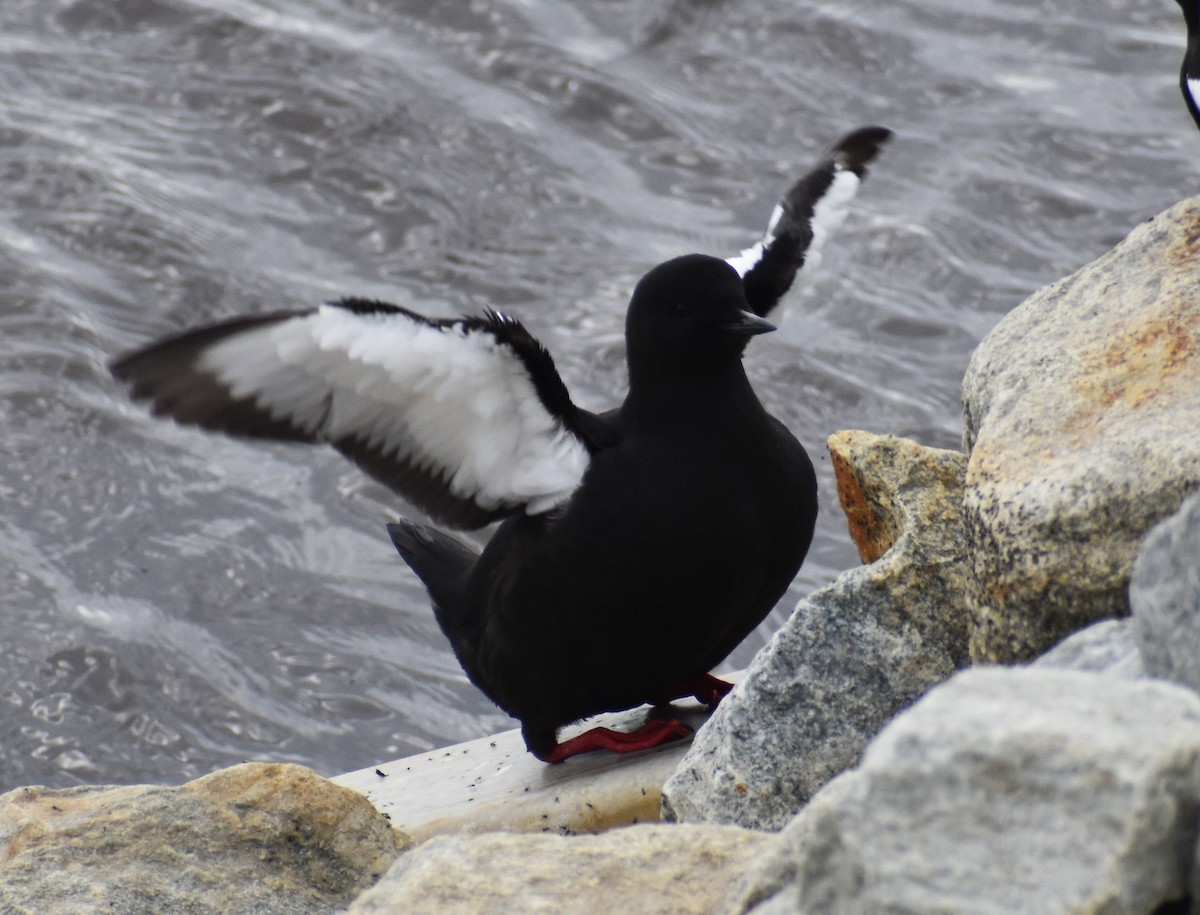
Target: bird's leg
<point>651,734</point>
<point>705,688</point>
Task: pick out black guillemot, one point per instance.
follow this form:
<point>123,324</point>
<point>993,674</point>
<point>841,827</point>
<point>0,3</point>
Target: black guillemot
<point>637,548</point>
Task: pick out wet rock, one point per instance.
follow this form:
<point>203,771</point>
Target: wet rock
<point>644,869</point>
<point>851,655</point>
<point>1108,647</point>
<point>1165,594</point>
<point>252,838</point>
<point>1008,792</point>
<point>1079,411</point>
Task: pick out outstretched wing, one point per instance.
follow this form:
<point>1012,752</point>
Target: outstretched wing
<point>814,206</point>
<point>467,418</point>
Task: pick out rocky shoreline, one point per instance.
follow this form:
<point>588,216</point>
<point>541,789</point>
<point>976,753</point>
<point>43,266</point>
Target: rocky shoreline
<point>871,760</point>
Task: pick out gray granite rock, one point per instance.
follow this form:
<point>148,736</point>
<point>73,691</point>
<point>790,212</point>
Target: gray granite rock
<point>1108,647</point>
<point>851,655</point>
<point>1165,594</point>
<point>646,869</point>
<point>1003,792</point>
<point>1080,410</point>
<point>259,837</point>
<point>769,883</point>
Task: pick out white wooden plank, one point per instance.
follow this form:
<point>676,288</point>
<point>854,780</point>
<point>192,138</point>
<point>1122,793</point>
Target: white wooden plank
<point>494,783</point>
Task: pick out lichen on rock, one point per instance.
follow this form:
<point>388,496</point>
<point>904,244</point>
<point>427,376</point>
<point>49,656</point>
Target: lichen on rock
<point>1074,408</point>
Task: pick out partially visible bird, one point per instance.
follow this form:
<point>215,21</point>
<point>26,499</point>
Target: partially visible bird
<point>637,547</point>
<point>1189,73</point>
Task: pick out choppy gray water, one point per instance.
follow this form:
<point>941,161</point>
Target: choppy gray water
<point>174,601</point>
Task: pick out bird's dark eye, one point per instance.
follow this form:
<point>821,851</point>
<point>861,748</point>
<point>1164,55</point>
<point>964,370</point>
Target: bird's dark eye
<point>681,309</point>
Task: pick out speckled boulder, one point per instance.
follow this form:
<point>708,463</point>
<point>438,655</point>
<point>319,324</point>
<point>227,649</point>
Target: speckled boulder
<point>1165,593</point>
<point>851,655</point>
<point>1003,792</point>
<point>1108,647</point>
<point>1080,414</point>
<point>647,869</point>
<point>259,837</point>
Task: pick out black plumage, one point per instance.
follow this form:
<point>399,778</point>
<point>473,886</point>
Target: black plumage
<point>1189,73</point>
<point>678,542</point>
<point>792,232</point>
<point>636,547</point>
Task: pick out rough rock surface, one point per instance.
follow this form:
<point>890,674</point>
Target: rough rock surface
<point>1108,647</point>
<point>257,838</point>
<point>851,655</point>
<point>644,869</point>
<point>1074,411</point>
<point>1165,594</point>
<point>1003,792</point>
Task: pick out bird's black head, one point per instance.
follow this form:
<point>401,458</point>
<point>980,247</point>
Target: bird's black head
<point>689,314</point>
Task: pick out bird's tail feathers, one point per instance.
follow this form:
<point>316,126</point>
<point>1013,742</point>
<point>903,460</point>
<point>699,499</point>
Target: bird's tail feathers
<point>443,563</point>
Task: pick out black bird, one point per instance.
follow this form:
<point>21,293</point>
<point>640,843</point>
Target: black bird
<point>637,547</point>
<point>1189,74</point>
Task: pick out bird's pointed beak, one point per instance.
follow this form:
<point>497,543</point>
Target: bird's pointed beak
<point>747,324</point>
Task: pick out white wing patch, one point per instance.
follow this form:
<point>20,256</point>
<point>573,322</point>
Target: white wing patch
<point>830,212</point>
<point>745,261</point>
<point>452,400</point>
<point>1193,88</point>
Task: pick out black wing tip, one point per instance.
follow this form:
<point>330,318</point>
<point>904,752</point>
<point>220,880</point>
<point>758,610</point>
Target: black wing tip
<point>184,346</point>
<point>134,366</point>
<point>145,371</point>
<point>166,376</point>
<point>121,367</point>
<point>857,149</point>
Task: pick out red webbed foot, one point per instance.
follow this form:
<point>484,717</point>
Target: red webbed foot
<point>653,733</point>
<point>704,688</point>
